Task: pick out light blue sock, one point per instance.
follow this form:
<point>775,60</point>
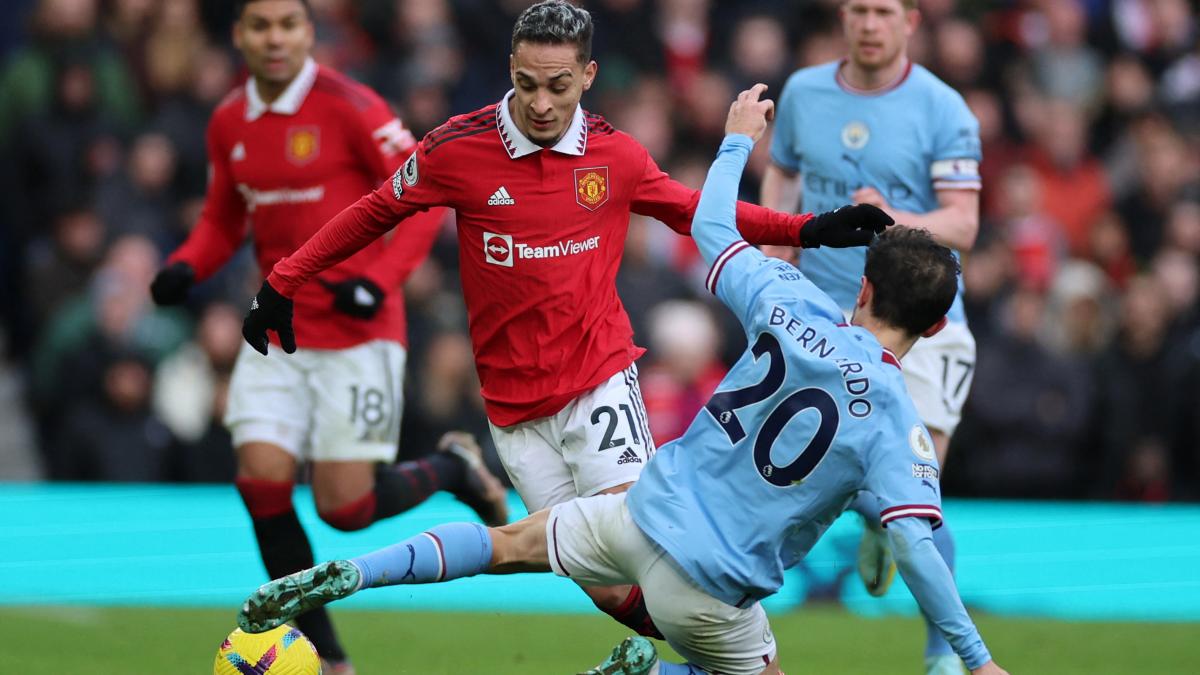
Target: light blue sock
<point>665,668</point>
<point>935,644</point>
<point>445,552</point>
<point>866,505</point>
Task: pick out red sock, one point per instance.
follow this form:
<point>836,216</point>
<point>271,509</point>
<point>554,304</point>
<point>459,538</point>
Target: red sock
<point>353,516</point>
<point>633,613</point>
<point>265,498</point>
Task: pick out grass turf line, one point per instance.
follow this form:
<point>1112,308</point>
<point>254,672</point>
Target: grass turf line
<point>819,639</point>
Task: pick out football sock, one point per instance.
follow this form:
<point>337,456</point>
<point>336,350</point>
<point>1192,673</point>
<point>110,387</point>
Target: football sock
<point>285,549</point>
<point>633,613</point>
<point>935,644</point>
<point>442,553</point>
<point>399,487</point>
<point>668,668</point>
<point>866,505</point>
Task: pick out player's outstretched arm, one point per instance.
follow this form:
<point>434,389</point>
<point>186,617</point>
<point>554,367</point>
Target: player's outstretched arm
<point>714,226</point>
<point>933,587</point>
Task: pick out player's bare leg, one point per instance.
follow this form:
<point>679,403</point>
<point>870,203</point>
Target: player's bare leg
<point>443,553</point>
<point>265,479</point>
<point>350,495</point>
<point>624,603</point>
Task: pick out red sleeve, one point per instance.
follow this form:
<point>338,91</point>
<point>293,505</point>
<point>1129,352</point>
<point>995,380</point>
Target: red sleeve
<point>404,254</point>
<point>221,227</point>
<point>383,142</point>
<point>659,196</point>
<point>415,187</point>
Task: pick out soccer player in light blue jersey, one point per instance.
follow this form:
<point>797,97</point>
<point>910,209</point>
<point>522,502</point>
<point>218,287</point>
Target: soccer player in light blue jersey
<point>875,128</point>
<point>813,413</point>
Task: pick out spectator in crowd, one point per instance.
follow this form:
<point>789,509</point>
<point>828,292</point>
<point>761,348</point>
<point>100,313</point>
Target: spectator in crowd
<point>1026,435</point>
<point>60,266</point>
<point>190,389</point>
<point>1134,399</point>
<point>685,369</point>
<point>113,435</point>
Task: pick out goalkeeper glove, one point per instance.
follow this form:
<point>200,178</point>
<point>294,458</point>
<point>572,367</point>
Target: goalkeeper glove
<point>358,297</point>
<point>171,284</point>
<point>269,311</point>
<point>848,226</point>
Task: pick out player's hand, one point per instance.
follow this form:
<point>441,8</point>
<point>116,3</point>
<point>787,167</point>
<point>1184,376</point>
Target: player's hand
<point>171,284</point>
<point>869,195</point>
<point>748,115</point>
<point>989,668</point>
<point>269,311</point>
<point>358,297</point>
<point>848,226</point>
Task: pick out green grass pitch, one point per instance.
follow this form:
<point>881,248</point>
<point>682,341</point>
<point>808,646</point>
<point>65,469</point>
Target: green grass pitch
<point>822,640</point>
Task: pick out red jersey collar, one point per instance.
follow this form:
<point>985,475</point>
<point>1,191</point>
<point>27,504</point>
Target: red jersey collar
<point>574,142</point>
<point>289,101</point>
<point>879,91</point>
<point>889,357</point>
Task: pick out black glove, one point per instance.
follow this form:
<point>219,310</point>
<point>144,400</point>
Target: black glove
<point>359,297</point>
<point>269,311</point>
<point>171,284</point>
<point>848,226</point>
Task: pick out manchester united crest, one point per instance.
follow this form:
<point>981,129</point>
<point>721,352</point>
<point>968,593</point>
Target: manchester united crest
<point>591,187</point>
<point>303,144</point>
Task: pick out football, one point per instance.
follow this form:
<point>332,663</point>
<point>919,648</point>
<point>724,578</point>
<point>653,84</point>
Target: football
<point>280,651</point>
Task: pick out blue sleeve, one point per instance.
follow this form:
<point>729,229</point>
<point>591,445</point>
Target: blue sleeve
<point>901,465</point>
<point>714,227</point>
<point>956,151</point>
<point>783,139</point>
<point>739,274</point>
<point>933,587</point>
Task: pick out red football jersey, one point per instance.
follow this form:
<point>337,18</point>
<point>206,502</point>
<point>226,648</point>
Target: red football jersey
<point>541,234</point>
<point>285,169</point>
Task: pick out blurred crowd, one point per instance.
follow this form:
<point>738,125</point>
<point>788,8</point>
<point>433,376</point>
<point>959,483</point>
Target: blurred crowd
<point>1082,290</point>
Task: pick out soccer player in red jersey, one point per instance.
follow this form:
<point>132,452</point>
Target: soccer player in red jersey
<point>287,152</point>
<point>543,192</point>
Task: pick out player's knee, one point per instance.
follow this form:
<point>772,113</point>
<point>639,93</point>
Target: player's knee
<point>520,545</point>
<point>772,668</point>
<point>265,461</point>
<point>265,498</point>
<point>608,599</point>
<point>351,516</point>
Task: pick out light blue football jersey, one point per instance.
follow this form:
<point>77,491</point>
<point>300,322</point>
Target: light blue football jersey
<point>907,142</point>
<point>813,412</point>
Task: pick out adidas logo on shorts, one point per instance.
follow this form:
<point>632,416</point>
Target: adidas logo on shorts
<point>629,457</point>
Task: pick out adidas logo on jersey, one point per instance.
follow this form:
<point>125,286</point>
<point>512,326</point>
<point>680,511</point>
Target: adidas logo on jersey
<point>501,198</point>
<point>629,457</point>
<point>238,153</point>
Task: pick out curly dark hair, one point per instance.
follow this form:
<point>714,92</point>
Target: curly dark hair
<point>915,278</point>
<point>239,6</point>
<point>555,22</point>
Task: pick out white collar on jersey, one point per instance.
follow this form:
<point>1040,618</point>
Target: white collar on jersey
<point>289,101</point>
<point>574,142</point>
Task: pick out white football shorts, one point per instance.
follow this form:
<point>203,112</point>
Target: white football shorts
<point>320,404</point>
<point>595,542</point>
<point>598,441</point>
<point>938,371</point>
